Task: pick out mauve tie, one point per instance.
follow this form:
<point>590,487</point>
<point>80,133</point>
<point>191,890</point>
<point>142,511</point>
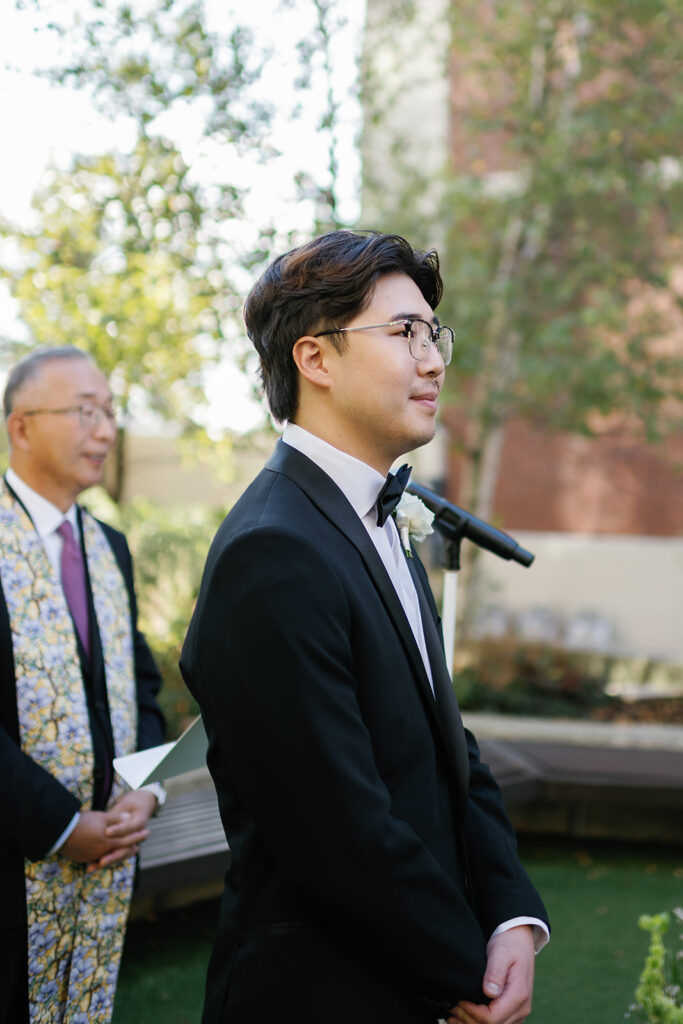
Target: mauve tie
<point>73,582</point>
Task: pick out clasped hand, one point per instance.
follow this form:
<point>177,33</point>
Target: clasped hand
<point>508,981</point>
<point>104,837</point>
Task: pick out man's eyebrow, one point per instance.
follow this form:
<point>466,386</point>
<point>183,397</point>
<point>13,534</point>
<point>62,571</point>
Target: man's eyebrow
<point>92,394</point>
<point>416,316</point>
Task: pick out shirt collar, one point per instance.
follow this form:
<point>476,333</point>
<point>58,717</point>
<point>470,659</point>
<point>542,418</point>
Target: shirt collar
<point>359,482</point>
<point>46,516</point>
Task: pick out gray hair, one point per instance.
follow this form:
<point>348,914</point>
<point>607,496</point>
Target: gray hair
<point>30,367</point>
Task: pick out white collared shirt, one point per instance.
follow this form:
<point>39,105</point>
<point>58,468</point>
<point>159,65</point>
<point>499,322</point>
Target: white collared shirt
<point>47,518</point>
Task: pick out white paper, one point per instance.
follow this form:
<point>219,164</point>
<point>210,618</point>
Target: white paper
<point>166,761</point>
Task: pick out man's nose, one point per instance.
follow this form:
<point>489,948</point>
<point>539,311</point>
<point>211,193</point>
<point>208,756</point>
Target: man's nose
<point>432,365</point>
<point>105,427</point>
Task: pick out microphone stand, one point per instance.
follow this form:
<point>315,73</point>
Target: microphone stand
<point>454,524</point>
<point>449,601</point>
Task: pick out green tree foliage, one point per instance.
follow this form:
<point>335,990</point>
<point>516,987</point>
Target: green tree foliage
<point>151,57</point>
<point>320,44</point>
<point>555,199</point>
<point>132,254</point>
<point>558,219</point>
<point>124,263</point>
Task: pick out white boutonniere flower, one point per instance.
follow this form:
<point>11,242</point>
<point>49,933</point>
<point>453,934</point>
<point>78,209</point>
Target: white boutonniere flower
<point>414,521</point>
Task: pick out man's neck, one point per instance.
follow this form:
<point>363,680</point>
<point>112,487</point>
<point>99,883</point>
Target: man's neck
<point>27,482</point>
<point>352,446</point>
<point>359,482</point>
<point>44,489</point>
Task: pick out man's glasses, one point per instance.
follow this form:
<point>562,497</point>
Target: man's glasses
<point>89,413</point>
<point>420,334</point>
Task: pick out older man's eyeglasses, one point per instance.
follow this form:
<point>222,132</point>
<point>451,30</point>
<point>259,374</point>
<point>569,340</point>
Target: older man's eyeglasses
<point>420,334</point>
<point>89,413</point>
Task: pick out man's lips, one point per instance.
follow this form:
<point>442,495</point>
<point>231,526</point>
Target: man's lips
<point>430,397</point>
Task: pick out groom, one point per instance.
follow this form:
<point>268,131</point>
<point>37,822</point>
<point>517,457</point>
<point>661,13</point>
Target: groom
<point>374,876</point>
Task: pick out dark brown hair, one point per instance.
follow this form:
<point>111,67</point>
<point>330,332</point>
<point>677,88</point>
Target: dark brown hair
<point>320,286</point>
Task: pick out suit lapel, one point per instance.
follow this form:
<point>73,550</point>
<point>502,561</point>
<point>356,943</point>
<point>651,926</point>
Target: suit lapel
<point>333,504</point>
<point>450,720</point>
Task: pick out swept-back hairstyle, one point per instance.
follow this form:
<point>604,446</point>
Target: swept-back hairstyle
<point>319,286</point>
<point>30,367</point>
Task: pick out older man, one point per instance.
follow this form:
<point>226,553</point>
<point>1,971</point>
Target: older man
<point>77,688</point>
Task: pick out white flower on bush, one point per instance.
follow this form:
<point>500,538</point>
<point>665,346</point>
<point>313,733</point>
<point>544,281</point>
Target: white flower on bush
<point>413,519</point>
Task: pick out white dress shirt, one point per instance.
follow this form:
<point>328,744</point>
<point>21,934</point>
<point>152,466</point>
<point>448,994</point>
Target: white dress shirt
<point>361,485</point>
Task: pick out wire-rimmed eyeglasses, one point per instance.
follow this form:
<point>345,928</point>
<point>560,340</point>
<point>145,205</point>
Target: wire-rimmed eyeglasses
<point>89,413</point>
<point>420,334</point>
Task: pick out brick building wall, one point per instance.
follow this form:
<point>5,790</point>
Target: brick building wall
<point>602,485</point>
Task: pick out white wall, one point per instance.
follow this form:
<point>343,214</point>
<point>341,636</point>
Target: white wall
<point>617,594</point>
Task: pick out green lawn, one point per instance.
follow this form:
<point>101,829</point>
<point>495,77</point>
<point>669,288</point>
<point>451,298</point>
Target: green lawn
<point>594,895</point>
<point>164,966</point>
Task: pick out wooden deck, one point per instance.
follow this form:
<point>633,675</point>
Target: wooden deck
<point>570,783</point>
<point>590,792</point>
<point>187,845</point>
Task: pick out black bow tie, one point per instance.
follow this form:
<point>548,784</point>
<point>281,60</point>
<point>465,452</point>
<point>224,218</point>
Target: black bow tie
<point>390,495</point>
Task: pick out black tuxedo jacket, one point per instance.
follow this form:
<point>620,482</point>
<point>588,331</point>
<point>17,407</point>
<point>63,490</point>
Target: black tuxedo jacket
<point>371,854</point>
<point>34,807</point>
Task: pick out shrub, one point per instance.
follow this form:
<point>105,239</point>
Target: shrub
<point>169,547</point>
<point>530,679</point>
<point>658,995</point>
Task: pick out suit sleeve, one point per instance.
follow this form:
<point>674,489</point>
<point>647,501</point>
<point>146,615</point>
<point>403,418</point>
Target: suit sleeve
<point>151,726</point>
<point>34,807</point>
<point>501,887</point>
<point>273,665</point>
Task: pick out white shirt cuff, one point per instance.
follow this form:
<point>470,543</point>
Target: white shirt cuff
<point>539,929</point>
<point>65,834</point>
<point>157,790</point>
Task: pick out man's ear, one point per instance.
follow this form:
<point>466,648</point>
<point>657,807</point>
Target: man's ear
<point>310,356</point>
<point>16,431</point>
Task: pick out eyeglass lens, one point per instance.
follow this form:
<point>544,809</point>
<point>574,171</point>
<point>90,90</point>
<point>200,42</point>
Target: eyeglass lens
<point>92,414</point>
<point>422,337</point>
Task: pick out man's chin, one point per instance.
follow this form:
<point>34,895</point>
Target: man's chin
<point>423,436</point>
<point>93,478</point>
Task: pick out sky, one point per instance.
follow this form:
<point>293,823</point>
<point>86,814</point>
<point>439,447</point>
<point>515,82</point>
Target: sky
<point>42,124</point>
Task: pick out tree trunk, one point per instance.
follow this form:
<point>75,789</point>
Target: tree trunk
<point>487,424</point>
<point>114,479</point>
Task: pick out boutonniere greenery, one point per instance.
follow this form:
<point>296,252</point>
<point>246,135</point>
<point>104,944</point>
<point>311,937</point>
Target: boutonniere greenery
<point>414,521</point>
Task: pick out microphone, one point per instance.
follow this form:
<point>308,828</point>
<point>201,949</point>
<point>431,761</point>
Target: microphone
<point>454,523</point>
